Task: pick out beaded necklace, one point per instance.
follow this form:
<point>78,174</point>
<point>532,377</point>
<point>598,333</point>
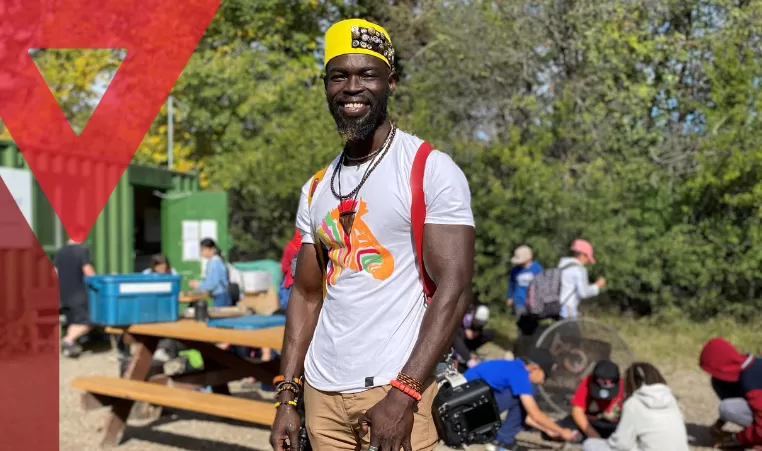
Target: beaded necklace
<point>348,202</point>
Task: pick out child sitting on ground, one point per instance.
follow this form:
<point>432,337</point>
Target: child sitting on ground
<point>737,381</point>
<point>597,402</point>
<point>651,418</point>
<point>512,382</point>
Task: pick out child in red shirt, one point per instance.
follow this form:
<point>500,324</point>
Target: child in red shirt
<point>597,403</point>
<point>737,380</point>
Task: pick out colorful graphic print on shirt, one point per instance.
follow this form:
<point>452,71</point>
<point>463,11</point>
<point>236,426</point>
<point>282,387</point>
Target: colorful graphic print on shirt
<point>357,251</point>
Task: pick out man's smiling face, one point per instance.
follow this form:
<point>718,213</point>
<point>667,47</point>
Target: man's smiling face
<point>357,87</point>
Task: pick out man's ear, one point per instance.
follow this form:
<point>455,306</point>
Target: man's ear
<point>324,77</point>
<point>392,81</point>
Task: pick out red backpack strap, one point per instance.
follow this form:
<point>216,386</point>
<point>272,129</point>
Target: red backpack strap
<point>418,214</point>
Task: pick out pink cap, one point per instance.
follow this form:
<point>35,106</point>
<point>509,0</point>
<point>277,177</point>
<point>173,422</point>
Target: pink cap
<point>583,247</point>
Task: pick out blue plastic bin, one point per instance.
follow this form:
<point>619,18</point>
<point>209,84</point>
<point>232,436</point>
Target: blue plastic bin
<point>124,299</point>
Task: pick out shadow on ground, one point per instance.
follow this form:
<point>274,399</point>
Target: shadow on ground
<point>503,340</point>
<point>169,416</point>
<point>149,432</point>
<point>186,442</point>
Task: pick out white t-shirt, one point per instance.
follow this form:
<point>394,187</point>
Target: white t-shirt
<point>375,302</point>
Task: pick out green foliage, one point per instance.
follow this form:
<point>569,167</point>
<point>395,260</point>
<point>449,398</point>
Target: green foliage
<point>626,123</point>
<point>632,124</point>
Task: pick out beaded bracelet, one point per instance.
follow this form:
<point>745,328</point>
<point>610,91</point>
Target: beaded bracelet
<point>278,379</point>
<point>410,382</point>
<point>285,403</point>
<point>287,385</point>
<point>404,388</point>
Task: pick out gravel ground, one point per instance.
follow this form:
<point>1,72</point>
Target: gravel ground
<point>81,431</point>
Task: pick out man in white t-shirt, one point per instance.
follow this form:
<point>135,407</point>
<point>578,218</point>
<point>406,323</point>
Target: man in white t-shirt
<point>368,346</point>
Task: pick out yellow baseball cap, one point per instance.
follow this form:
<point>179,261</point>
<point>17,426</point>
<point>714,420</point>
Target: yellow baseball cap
<point>358,36</point>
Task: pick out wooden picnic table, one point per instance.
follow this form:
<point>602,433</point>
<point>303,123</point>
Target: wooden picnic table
<point>220,368</point>
<point>193,296</point>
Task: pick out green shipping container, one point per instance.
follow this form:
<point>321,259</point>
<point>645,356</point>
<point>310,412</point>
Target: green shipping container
<point>151,210</point>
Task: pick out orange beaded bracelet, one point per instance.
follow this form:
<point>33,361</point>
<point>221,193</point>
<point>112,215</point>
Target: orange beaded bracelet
<point>404,388</point>
<point>279,379</point>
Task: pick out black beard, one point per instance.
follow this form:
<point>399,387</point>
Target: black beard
<point>353,129</point>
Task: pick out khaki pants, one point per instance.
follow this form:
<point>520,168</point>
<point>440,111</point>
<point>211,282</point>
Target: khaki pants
<point>333,419</point>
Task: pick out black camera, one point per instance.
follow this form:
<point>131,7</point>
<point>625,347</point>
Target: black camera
<point>466,413</point>
<point>304,440</point>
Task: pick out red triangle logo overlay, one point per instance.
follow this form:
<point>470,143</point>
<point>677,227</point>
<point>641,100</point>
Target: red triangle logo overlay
<point>28,326</point>
<point>99,59</point>
<point>78,173</point>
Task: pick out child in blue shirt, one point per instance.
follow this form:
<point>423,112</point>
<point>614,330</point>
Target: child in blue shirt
<point>513,384</point>
<point>522,274</point>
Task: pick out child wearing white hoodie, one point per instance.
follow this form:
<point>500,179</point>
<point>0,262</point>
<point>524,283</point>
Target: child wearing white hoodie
<point>651,418</point>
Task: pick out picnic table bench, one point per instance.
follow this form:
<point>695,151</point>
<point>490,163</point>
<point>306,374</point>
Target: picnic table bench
<point>178,391</point>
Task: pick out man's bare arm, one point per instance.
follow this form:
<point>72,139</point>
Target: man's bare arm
<point>302,312</point>
<point>88,270</point>
<point>448,253</point>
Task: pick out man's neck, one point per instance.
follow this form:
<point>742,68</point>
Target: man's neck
<point>362,148</point>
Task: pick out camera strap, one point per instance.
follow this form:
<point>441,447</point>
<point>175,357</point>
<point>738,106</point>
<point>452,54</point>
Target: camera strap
<point>451,375</point>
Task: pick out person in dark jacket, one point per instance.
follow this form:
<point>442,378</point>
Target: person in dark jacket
<point>737,381</point>
<point>72,264</point>
<point>471,335</point>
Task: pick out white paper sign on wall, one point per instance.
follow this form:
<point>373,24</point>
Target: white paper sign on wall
<point>19,183</point>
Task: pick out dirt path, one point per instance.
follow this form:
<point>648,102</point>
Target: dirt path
<point>80,431</point>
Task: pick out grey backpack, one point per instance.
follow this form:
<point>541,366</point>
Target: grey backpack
<point>544,294</point>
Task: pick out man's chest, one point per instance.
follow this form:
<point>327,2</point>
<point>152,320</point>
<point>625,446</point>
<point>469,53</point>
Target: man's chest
<point>379,204</point>
<point>368,231</point>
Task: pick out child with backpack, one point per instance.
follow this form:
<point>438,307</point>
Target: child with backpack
<point>555,294</point>
<point>575,284</point>
<point>524,270</point>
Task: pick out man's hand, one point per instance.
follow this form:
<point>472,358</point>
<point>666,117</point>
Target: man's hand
<point>286,427</point>
<point>469,334</point>
<point>509,303</point>
<point>601,283</point>
<point>390,422</point>
<point>193,284</point>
